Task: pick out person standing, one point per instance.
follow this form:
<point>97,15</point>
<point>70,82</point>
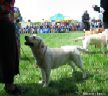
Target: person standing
<point>85,20</point>
<point>103,9</point>
<point>9,59</point>
<point>17,20</point>
<point>104,5</point>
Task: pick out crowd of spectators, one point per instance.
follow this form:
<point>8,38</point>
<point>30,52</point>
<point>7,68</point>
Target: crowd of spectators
<point>90,23</point>
<point>49,28</point>
<point>96,24</point>
<point>59,27</point>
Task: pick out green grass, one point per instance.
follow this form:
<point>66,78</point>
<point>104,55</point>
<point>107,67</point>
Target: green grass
<point>62,83</point>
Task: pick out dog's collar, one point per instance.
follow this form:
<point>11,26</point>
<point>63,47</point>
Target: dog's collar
<point>42,56</point>
<point>45,50</point>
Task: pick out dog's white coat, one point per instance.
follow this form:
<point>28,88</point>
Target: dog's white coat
<point>100,39</point>
<point>50,58</point>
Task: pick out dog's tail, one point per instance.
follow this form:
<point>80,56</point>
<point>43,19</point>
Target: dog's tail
<point>78,39</point>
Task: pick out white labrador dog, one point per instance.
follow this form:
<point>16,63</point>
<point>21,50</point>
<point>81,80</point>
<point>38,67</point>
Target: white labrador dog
<point>100,40</point>
<point>50,58</point>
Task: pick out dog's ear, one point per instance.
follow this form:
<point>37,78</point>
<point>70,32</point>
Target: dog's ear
<point>34,37</point>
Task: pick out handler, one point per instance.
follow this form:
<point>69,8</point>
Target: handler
<point>9,58</point>
<point>17,20</point>
<point>104,5</point>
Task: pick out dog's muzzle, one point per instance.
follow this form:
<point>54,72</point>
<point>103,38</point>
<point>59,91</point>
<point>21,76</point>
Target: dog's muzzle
<point>28,42</point>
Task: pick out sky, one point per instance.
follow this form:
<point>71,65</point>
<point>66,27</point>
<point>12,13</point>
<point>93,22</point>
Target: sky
<point>36,10</point>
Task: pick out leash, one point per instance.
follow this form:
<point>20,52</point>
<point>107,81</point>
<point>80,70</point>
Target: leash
<point>26,56</point>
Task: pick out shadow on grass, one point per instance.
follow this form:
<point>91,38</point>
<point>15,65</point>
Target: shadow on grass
<point>77,76</point>
<point>56,88</point>
<point>61,87</point>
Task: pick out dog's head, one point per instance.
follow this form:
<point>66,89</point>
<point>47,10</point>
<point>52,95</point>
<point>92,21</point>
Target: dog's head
<point>34,41</point>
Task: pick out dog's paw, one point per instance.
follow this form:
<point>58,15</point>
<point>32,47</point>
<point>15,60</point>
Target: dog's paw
<point>40,82</point>
<point>45,85</point>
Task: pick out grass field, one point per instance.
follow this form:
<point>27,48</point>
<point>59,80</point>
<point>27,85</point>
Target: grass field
<point>62,83</point>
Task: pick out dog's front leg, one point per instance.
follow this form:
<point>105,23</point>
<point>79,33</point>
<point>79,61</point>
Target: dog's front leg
<point>79,63</point>
<point>105,49</point>
<point>86,44</point>
<point>47,75</point>
<point>43,77</point>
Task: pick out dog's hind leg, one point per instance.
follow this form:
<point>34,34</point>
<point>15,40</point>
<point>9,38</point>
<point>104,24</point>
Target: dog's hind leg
<point>104,48</point>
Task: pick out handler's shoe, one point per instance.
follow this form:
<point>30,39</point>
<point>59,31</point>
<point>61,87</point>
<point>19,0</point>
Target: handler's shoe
<point>17,90</point>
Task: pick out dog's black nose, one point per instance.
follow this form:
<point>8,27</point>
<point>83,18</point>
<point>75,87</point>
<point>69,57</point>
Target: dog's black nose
<point>26,37</point>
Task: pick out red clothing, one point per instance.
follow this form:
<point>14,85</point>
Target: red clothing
<point>9,59</point>
<point>6,9</point>
<point>1,1</point>
<point>7,5</point>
